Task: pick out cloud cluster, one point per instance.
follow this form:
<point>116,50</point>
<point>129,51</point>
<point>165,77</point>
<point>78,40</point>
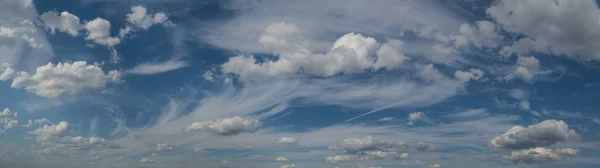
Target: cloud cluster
<point>64,22</point>
<point>288,140</point>
<point>423,146</point>
<point>358,145</point>
<point>226,126</point>
<point>51,132</point>
<point>338,158</point>
<point>540,155</point>
<point>350,54</point>
<point>545,133</point>
<point>52,80</point>
<point>378,155</point>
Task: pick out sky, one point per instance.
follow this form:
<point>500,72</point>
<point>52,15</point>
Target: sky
<point>285,84</point>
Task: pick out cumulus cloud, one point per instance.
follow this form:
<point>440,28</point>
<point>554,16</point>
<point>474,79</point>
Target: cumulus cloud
<point>7,74</point>
<point>64,22</point>
<point>99,32</point>
<point>7,114</point>
<point>414,117</point>
<point>466,76</point>
<point>549,25</point>
<point>140,18</point>
<point>352,53</point>
<point>53,80</point>
<point>540,155</point>
<point>164,147</point>
<point>545,133</point>
<point>49,132</point>
<point>378,155</point>
<point>281,159</point>
<point>386,119</point>
<point>526,70</point>
<point>288,166</point>
<point>42,121</point>
<point>423,146</point>
<point>482,34</point>
<point>146,160</point>
<point>288,140</point>
<point>434,166</point>
<point>226,126</point>
<point>156,68</point>
<point>338,158</point>
<point>358,145</point>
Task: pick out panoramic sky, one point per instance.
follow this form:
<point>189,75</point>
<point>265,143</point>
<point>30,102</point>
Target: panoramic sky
<point>311,83</point>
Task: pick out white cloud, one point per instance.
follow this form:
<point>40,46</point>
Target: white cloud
<point>434,166</point>
<point>156,68</point>
<point>281,159</point>
<point>164,147</point>
<point>338,158</point>
<point>540,20</point>
<point>288,140</point>
<point>12,124</point>
<point>140,18</point>
<point>350,54</point>
<point>423,146</point>
<point>378,155</point>
<point>466,76</point>
<point>540,155</point>
<point>53,80</point>
<point>358,145</point>
<point>524,105</point>
<point>7,74</point>
<point>208,75</point>
<point>288,166</point>
<point>386,119</point>
<point>7,114</point>
<point>43,121</point>
<point>416,116</point>
<point>198,149</point>
<point>65,22</point>
<point>99,31</point>
<point>52,131</point>
<point>482,34</point>
<point>545,133</point>
<point>518,94</point>
<point>33,43</point>
<point>146,160</point>
<point>226,126</point>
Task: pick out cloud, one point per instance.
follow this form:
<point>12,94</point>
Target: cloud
<point>539,21</point>
<point>53,80</point>
<point>386,119</point>
<point>146,160</point>
<point>140,18</point>
<point>43,121</point>
<point>434,166</point>
<point>423,146</point>
<point>7,114</point>
<point>164,147</point>
<point>208,75</point>
<point>415,116</point>
<point>49,132</point>
<point>352,53</point>
<point>518,94</point>
<point>540,155</point>
<point>226,126</point>
<point>378,155</point>
<point>482,34</point>
<point>99,32</point>
<point>288,140</point>
<point>527,69</point>
<point>65,22</point>
<point>156,68</point>
<point>466,76</point>
<point>358,145</point>
<point>281,159</point>
<point>288,166</point>
<point>545,133</point>
<point>338,158</point>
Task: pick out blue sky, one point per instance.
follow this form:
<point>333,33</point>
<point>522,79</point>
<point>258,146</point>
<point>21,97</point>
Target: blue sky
<point>242,83</point>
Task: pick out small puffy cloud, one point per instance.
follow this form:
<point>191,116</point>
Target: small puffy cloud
<point>378,155</point>
<point>434,166</point>
<point>12,124</point>
<point>226,126</point>
<point>358,145</point>
<point>140,18</point>
<point>164,147</point>
<point>65,22</point>
<point>518,94</point>
<point>208,75</point>
<point>281,159</point>
<point>423,146</point>
<point>53,80</point>
<point>98,30</point>
<point>466,76</point>
<point>482,34</point>
<point>146,160</point>
<point>288,140</point>
<point>42,121</point>
<point>7,74</point>
<point>526,70</point>
<point>416,116</point>
<point>545,133</point>
<point>386,119</point>
<point>338,158</point>
<point>198,149</point>
<point>244,146</point>
<point>288,166</point>
<point>540,155</point>
<point>524,105</point>
<point>52,131</point>
<point>156,68</point>
<point>7,114</point>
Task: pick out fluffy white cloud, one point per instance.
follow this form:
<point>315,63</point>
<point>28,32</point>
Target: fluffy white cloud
<point>524,105</point>
<point>423,146</point>
<point>288,166</point>
<point>527,68</point>
<point>52,131</point>
<point>208,75</point>
<point>226,126</point>
<point>434,166</point>
<point>198,149</point>
<point>98,30</point>
<point>466,76</point>
<point>281,159</point>
<point>482,34</point>
<point>358,145</point>
<point>12,124</point>
<point>156,68</point>
<point>540,155</point>
<point>146,160</point>
<point>549,26</point>
<point>43,121</point>
<point>350,54</point>
<point>288,140</point>
<point>378,155</point>
<point>386,119</point>
<point>140,18</point>
<point>53,80</point>
<point>65,22</point>
<point>518,94</point>
<point>338,158</point>
<point>545,133</point>
<point>7,114</point>
<point>164,147</point>
<point>416,116</point>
